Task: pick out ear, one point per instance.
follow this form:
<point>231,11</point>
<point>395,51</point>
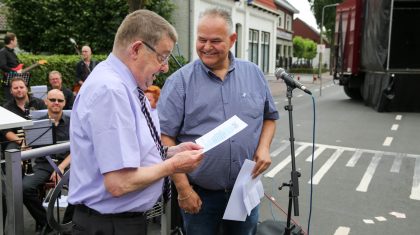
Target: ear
<point>233,38</point>
<point>135,47</point>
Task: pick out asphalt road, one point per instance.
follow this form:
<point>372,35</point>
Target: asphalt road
<point>366,171</point>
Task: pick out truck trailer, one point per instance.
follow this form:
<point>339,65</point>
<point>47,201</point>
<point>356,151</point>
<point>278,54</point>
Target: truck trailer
<point>377,53</point>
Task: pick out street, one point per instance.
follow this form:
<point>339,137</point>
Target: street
<point>366,176</point>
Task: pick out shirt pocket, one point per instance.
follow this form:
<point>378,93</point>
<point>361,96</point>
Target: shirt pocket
<point>252,104</point>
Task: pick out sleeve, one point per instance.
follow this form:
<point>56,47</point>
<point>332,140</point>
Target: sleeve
<point>3,61</point>
<point>171,105</point>
<point>113,130</point>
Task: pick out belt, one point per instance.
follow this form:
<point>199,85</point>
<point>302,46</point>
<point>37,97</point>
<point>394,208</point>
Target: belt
<point>211,190</point>
<point>85,209</point>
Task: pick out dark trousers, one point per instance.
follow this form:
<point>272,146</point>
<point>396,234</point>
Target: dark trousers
<point>31,199</point>
<point>88,221</point>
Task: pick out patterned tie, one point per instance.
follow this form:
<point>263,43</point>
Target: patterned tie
<point>166,181</point>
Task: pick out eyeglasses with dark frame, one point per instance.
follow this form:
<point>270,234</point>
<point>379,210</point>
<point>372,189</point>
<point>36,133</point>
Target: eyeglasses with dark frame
<point>161,58</point>
<point>53,100</point>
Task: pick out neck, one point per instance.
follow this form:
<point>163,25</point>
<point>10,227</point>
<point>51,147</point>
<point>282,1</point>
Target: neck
<point>55,116</point>
<point>21,102</point>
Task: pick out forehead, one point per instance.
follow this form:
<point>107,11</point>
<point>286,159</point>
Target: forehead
<point>55,94</point>
<point>54,76</point>
<point>85,49</point>
<point>212,25</point>
<point>18,83</point>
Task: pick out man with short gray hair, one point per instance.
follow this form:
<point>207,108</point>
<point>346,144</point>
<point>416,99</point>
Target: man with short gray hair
<point>118,160</point>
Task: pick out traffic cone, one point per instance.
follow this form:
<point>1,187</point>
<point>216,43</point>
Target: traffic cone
<point>298,77</point>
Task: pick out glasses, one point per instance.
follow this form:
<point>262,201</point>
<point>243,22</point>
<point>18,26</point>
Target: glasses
<point>161,58</point>
<point>55,100</point>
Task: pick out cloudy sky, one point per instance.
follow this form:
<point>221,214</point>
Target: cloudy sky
<point>305,12</point>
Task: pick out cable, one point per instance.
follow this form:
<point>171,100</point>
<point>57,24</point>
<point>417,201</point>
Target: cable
<point>312,165</point>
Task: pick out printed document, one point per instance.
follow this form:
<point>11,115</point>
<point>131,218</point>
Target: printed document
<point>246,194</point>
<point>221,133</point>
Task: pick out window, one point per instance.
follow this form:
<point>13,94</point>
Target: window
<point>253,46</point>
<point>265,49</point>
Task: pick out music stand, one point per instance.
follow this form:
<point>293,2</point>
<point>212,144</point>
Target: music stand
<point>41,133</point>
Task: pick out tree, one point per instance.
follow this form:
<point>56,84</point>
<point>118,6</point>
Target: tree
<point>45,26</point>
<point>298,48</point>
<point>329,16</point>
<point>304,49</point>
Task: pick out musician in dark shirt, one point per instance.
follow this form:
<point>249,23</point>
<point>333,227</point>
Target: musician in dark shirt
<point>84,67</point>
<point>56,82</point>
<point>43,170</point>
<point>21,104</point>
<point>8,58</point>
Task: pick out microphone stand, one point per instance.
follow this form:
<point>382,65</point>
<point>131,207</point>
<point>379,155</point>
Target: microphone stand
<point>294,182</point>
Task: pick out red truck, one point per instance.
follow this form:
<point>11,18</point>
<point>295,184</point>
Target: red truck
<point>376,53</point>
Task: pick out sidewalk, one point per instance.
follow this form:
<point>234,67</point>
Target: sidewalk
<point>278,87</point>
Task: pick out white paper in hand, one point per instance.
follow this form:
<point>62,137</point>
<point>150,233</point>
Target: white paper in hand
<point>221,133</point>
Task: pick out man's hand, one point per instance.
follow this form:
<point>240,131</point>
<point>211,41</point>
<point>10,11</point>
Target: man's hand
<point>189,201</point>
<point>263,161</point>
<point>186,161</point>
<point>183,147</point>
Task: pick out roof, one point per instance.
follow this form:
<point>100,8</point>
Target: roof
<point>286,5</point>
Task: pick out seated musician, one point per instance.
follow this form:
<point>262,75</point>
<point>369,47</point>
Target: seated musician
<point>20,104</point>
<point>56,82</point>
<point>43,171</point>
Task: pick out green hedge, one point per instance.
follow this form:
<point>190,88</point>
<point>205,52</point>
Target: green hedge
<point>66,65</point>
<point>307,70</point>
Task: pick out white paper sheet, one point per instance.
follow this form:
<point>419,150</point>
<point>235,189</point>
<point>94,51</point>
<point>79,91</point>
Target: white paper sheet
<point>221,133</point>
<point>246,194</point>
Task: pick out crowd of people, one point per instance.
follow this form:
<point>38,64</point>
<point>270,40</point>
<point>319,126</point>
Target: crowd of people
<point>130,139</point>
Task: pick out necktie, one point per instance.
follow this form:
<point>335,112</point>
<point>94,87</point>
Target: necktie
<point>152,128</point>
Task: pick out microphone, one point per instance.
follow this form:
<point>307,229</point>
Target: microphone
<point>288,79</point>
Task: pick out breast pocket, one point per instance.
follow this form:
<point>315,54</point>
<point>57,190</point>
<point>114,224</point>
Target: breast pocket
<point>252,105</point>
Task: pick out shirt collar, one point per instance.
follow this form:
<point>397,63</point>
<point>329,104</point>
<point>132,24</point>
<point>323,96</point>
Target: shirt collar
<point>124,71</point>
<point>232,61</point>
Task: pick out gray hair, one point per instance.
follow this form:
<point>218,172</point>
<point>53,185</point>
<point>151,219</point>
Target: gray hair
<point>219,12</point>
<point>54,72</point>
<point>143,25</point>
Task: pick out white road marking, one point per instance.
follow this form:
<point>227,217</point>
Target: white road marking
<point>367,177</point>
<point>398,215</point>
<point>316,154</point>
<point>327,165</point>
<point>353,160</point>
<point>388,141</point>
<point>396,164</point>
<point>280,149</point>
<point>415,189</point>
<point>300,95</point>
<point>398,117</point>
<point>342,231</point>
<point>394,127</point>
<point>368,221</point>
<point>380,218</point>
<point>385,154</point>
<point>284,163</point>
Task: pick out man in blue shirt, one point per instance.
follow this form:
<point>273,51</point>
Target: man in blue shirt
<point>199,97</point>
<point>117,157</point>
